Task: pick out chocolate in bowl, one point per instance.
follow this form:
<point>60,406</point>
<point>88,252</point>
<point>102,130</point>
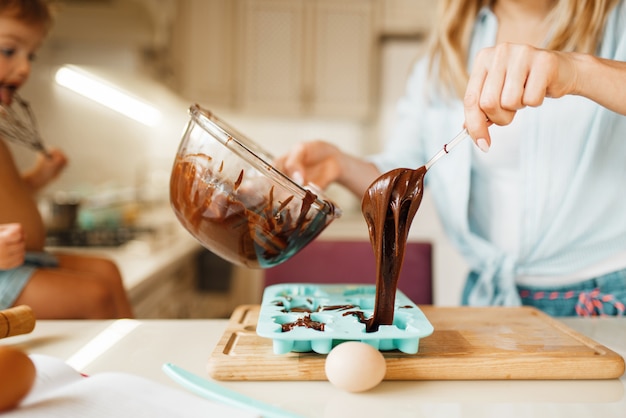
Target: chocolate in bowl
<point>235,203</point>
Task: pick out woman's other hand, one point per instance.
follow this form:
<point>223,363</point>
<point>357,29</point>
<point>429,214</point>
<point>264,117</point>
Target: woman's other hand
<point>322,163</point>
<point>316,162</point>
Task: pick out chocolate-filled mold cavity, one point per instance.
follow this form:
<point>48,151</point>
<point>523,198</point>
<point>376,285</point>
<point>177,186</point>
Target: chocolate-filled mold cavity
<point>308,317</point>
<point>300,303</point>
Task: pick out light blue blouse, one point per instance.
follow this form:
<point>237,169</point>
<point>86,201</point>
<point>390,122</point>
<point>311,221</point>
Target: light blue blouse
<point>572,171</point>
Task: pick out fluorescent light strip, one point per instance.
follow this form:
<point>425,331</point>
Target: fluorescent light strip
<point>106,94</point>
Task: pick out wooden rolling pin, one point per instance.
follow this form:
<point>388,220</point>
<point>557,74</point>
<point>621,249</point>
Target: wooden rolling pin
<point>16,320</point>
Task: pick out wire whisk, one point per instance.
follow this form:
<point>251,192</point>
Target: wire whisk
<point>18,124</point>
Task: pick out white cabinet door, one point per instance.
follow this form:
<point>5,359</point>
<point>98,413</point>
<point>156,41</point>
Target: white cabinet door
<point>343,58</point>
<point>307,57</point>
<point>279,57</point>
<point>271,56</point>
<point>202,51</point>
<point>407,17</point>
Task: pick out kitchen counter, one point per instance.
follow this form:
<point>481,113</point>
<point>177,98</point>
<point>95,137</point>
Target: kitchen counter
<point>158,266</point>
<point>160,269</point>
<point>142,346</point>
<point>149,252</point>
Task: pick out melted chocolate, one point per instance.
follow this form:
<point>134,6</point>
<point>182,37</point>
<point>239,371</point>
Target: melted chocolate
<point>298,309</point>
<point>360,316</point>
<point>321,308</point>
<point>306,322</point>
<point>336,307</point>
<point>388,206</point>
<point>234,222</point>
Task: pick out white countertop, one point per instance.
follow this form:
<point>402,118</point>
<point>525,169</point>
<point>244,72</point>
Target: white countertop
<point>142,346</point>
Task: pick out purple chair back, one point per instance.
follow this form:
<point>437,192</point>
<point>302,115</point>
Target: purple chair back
<point>325,262</point>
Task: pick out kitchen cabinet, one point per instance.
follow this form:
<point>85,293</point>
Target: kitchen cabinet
<point>406,18</point>
<point>312,57</point>
<point>166,294</point>
<point>278,57</point>
<point>202,51</point>
<point>172,289</point>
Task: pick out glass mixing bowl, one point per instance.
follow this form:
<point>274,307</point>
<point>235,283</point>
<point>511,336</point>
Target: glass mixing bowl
<point>226,193</point>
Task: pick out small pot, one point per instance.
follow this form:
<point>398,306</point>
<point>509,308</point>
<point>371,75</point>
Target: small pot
<point>61,214</point>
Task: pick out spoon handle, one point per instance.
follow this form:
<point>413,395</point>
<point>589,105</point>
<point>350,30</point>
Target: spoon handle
<point>447,147</point>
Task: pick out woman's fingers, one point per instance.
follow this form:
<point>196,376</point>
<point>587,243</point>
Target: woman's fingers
<point>475,116</point>
<point>505,79</point>
<point>516,75</point>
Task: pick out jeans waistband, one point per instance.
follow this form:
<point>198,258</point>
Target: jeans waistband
<point>594,297</point>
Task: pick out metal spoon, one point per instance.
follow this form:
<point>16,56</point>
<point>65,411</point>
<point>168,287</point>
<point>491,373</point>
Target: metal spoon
<point>447,148</point>
<point>388,206</point>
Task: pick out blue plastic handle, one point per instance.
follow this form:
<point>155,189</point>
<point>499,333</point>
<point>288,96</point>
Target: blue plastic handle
<point>215,392</point>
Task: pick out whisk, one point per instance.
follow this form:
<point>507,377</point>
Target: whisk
<point>18,124</point>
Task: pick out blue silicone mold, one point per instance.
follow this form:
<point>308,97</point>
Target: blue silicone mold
<point>331,305</point>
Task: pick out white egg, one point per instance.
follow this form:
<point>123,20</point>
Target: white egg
<point>17,376</point>
<point>355,366</point>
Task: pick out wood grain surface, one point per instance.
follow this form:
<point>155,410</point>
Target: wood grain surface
<point>16,320</point>
<point>467,344</point>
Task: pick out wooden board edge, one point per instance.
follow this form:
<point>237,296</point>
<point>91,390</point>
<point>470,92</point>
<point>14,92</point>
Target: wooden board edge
<point>463,370</point>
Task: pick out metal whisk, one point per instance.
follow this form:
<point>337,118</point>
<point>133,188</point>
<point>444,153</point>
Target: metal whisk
<point>18,124</point>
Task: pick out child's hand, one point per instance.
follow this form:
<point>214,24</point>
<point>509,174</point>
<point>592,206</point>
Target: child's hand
<point>50,166</point>
<point>46,169</point>
<point>12,246</point>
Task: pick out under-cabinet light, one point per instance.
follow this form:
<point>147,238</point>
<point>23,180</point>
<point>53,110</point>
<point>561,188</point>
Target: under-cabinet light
<point>107,94</point>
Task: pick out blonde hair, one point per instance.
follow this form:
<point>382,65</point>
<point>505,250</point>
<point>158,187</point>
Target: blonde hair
<point>577,27</point>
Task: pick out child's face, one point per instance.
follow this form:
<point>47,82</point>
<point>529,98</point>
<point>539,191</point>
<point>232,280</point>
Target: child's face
<point>18,43</point>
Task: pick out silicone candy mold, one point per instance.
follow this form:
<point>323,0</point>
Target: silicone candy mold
<point>301,317</point>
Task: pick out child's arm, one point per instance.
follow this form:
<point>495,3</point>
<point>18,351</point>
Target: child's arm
<point>12,246</point>
<point>46,169</point>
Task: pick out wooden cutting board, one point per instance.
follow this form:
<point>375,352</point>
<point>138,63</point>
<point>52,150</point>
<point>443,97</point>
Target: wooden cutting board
<point>468,343</point>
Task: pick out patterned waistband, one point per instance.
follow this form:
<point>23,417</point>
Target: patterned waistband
<point>590,303</point>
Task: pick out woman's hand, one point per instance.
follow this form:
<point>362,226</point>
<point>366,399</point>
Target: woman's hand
<point>316,162</point>
<point>509,77</point>
<point>322,163</point>
<point>12,246</point>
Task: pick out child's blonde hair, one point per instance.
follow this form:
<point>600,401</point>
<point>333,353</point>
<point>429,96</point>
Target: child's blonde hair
<point>577,26</point>
<point>36,12</point>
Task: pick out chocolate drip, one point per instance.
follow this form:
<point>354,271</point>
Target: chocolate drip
<point>388,206</point>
